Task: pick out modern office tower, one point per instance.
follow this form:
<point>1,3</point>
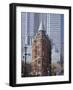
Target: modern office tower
<point>56,35</point>
<point>54,27</point>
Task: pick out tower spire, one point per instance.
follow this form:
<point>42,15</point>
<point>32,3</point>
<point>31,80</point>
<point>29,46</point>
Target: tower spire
<point>41,26</point>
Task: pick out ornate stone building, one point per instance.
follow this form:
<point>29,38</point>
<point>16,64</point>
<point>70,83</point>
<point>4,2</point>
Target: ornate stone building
<point>41,53</point>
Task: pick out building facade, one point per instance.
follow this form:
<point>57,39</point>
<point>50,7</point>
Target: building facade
<point>41,53</point>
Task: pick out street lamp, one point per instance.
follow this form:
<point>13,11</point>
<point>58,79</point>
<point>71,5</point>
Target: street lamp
<point>25,56</point>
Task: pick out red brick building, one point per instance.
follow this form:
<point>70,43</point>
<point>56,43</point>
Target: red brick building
<point>41,53</point>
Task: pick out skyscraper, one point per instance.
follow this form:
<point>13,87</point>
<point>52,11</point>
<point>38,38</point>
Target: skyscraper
<point>54,27</point>
<point>56,36</point>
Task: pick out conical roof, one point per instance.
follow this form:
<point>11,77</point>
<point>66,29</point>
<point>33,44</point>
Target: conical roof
<point>41,26</point>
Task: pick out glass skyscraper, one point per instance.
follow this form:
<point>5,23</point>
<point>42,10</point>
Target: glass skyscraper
<point>54,27</point>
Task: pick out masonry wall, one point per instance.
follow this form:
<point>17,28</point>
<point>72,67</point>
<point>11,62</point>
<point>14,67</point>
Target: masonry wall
<point>41,55</point>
